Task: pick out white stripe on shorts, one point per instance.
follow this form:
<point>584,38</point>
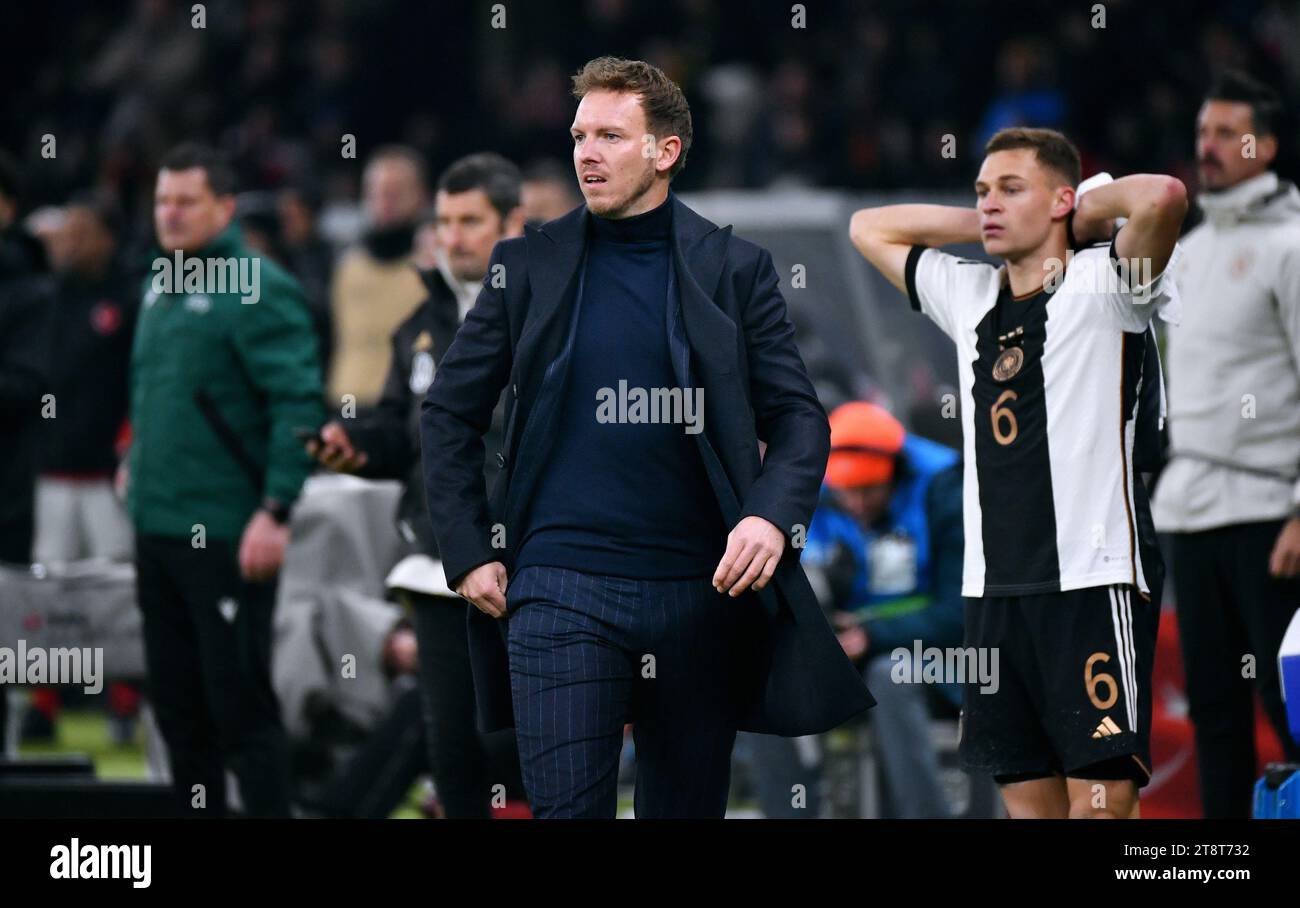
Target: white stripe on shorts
<point>1121,614</point>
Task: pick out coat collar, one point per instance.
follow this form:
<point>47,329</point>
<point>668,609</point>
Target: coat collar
<point>688,227</point>
<point>442,300</point>
<point>555,251</point>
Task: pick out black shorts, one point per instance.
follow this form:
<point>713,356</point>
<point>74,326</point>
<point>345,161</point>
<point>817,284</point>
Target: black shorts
<point>1073,691</point>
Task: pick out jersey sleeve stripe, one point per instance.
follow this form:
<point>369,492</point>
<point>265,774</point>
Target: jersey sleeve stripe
<point>909,275</point>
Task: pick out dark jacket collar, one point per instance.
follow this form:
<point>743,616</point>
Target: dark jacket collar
<point>441,301</point>
<point>688,227</point>
<point>555,251</point>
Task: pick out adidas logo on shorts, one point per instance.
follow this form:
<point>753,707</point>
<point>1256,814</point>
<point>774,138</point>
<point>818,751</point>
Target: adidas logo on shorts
<point>1107,728</point>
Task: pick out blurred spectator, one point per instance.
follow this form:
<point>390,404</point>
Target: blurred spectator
<point>376,285</point>
<point>259,220</point>
<point>46,225</point>
<point>884,553</point>
<point>1230,496</point>
<point>478,204</point>
<point>385,761</point>
<point>24,322</point>
<point>219,383</point>
<point>1026,95</point>
<point>550,189</point>
<point>427,255</point>
<point>78,514</point>
<point>856,98</point>
<point>261,217</point>
<point>309,256</point>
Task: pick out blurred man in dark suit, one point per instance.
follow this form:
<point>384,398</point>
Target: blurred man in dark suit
<point>477,205</point>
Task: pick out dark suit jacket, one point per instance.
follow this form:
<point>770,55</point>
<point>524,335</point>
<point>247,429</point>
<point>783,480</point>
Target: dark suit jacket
<point>390,433</point>
<point>735,339</point>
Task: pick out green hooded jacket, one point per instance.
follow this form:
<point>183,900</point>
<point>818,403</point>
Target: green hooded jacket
<point>241,363</point>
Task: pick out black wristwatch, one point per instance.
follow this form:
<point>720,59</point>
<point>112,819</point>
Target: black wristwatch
<point>278,510</point>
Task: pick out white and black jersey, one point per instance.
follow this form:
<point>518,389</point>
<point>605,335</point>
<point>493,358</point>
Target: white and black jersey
<point>1049,405</point>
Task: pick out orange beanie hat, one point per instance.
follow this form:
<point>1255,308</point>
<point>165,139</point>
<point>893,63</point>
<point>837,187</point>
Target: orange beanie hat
<point>865,439</point>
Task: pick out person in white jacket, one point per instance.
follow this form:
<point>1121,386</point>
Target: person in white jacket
<point>1230,495</point>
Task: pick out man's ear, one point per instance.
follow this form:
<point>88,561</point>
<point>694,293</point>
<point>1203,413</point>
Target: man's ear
<point>1063,204</point>
<point>1266,149</point>
<point>669,150</point>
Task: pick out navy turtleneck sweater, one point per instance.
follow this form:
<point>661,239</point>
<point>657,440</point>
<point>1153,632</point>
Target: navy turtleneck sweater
<point>629,499</point>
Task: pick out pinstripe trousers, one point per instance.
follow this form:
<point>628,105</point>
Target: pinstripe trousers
<point>589,653</point>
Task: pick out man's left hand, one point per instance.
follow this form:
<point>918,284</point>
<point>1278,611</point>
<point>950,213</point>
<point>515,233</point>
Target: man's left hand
<point>261,550</point>
<point>754,549</point>
<point>1285,560</point>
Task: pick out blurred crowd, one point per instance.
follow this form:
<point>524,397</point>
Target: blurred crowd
<point>339,115</point>
<point>861,97</point>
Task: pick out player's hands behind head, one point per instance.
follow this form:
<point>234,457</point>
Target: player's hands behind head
<point>1085,229</point>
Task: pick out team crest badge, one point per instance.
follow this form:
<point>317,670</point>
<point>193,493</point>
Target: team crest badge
<point>1008,364</point>
<point>1010,359</point>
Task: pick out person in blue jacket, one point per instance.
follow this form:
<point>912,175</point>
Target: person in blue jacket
<point>884,552</point>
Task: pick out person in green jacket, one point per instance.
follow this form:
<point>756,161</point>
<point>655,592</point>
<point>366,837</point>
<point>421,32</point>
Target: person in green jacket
<point>223,370</point>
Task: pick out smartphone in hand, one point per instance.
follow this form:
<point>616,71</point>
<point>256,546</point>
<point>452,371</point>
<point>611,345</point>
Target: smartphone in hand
<point>305,435</point>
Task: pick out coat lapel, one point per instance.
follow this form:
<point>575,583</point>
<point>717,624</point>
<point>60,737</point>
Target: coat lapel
<point>554,253</point>
<point>699,252</point>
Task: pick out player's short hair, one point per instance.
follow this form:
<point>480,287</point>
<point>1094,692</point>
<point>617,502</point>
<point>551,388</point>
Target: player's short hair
<point>1051,149</point>
<point>407,155</point>
<point>1265,104</point>
<point>666,110</point>
<point>215,165</point>
<point>495,175</point>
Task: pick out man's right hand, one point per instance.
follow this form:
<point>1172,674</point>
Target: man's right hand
<point>336,453</point>
<point>485,586</point>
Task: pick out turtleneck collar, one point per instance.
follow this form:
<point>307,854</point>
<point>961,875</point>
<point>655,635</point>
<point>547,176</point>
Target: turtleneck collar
<point>1234,201</point>
<point>650,226</point>
<point>466,292</point>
